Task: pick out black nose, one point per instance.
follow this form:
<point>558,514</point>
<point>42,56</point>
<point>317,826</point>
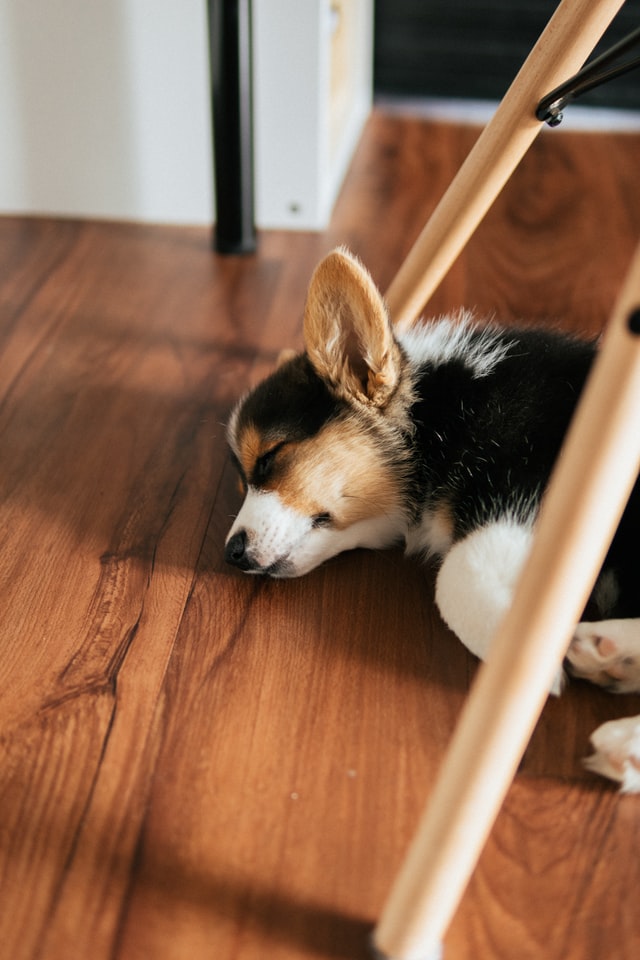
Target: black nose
<point>235,551</point>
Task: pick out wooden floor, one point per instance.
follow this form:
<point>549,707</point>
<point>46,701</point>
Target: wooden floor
<point>198,765</point>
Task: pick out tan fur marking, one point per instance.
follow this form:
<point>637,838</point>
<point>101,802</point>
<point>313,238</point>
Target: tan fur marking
<point>286,354</point>
<point>442,523</point>
<point>251,446</point>
<point>339,472</point>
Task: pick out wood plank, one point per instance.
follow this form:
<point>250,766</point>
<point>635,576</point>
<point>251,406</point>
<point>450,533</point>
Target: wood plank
<point>197,763</point>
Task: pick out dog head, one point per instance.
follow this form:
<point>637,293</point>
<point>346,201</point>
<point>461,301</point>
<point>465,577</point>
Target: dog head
<point>321,444</point>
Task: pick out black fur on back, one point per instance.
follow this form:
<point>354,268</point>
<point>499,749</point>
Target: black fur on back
<point>485,445</point>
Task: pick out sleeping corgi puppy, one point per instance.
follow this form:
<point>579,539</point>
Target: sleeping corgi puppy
<point>443,439</point>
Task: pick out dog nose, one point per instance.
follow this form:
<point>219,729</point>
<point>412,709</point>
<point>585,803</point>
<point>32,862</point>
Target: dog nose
<point>235,551</point>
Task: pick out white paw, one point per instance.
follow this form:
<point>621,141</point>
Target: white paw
<point>617,752</point>
<point>607,653</point>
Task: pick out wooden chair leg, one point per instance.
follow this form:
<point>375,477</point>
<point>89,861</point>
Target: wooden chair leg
<point>589,488</point>
<point>561,51</point>
<point>580,512</point>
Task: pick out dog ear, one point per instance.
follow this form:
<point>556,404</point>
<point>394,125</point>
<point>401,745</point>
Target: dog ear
<point>347,333</point>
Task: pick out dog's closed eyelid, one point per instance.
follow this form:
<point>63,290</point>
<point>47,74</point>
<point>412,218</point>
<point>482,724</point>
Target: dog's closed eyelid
<point>321,520</point>
<point>265,461</point>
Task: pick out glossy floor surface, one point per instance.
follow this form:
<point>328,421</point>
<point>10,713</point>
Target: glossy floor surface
<point>196,764</point>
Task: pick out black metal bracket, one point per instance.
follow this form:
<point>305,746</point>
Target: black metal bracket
<point>599,71</point>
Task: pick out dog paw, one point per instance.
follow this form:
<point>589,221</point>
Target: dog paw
<point>607,653</point>
<point>616,754</point>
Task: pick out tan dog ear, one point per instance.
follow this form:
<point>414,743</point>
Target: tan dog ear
<point>347,332</point>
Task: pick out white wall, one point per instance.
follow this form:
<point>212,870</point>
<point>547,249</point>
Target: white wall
<point>104,109</point>
<point>312,94</point>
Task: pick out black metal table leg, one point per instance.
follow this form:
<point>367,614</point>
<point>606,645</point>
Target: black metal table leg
<point>230,56</point>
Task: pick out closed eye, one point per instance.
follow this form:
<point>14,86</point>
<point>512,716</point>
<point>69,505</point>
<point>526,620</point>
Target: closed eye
<point>264,463</point>
<point>321,520</point>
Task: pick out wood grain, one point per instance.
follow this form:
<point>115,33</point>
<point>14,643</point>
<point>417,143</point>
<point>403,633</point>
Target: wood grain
<point>199,764</point>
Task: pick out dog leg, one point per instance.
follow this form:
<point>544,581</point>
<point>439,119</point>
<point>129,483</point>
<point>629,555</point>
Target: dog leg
<point>476,581</point>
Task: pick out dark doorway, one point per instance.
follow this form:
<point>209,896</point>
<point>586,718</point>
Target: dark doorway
<point>474,48</point>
